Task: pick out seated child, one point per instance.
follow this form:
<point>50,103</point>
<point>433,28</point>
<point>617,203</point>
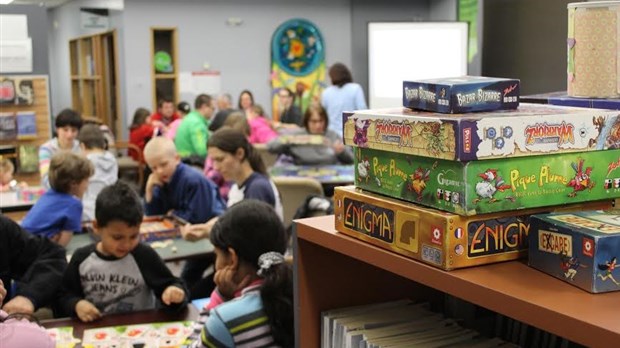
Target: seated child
<point>175,186</point>
<point>178,188</point>
<point>58,213</point>
<point>16,330</point>
<point>261,131</point>
<point>118,273</point>
<point>140,131</point>
<point>250,241</point>
<point>93,143</point>
<point>6,176</point>
<point>68,123</point>
<point>34,265</point>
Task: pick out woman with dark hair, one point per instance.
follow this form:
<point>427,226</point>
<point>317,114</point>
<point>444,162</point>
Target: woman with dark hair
<point>330,151</point>
<point>343,95</point>
<point>246,101</point>
<point>250,241</point>
<point>68,123</point>
<point>236,160</point>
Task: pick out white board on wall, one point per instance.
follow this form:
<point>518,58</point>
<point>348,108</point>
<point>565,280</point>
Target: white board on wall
<point>399,51</point>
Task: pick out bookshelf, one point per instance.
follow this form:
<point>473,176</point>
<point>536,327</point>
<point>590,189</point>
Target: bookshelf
<point>333,270</point>
<point>94,79</point>
<point>164,69</point>
<point>42,121</point>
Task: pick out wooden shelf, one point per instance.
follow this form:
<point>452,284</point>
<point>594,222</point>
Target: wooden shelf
<point>164,83</point>
<point>334,270</point>
<point>85,77</point>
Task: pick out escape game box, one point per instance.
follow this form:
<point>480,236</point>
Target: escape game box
<point>478,187</point>
<point>455,95</point>
<point>532,129</point>
<point>159,227</point>
<point>441,239</point>
<point>580,248</point>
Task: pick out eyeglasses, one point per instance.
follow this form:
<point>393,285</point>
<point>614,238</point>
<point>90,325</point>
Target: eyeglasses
<point>284,95</point>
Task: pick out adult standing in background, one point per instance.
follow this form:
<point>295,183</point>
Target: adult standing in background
<point>224,107</point>
<point>342,95</point>
<point>193,132</point>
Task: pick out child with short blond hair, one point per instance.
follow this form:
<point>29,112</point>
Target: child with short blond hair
<point>58,213</point>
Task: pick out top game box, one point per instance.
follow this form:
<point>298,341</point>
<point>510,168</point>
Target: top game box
<point>461,94</point>
<point>532,129</point>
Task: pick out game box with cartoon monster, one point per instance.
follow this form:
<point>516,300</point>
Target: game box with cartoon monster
<point>532,129</point>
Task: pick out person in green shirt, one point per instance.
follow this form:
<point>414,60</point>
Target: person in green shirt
<point>193,132</point>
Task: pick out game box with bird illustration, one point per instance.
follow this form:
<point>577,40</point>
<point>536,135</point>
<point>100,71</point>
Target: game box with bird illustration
<point>580,248</point>
<point>530,130</point>
<point>439,238</point>
<point>478,187</point>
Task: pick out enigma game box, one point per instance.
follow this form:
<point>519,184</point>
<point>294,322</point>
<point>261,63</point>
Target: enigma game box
<point>580,248</point>
<point>479,187</point>
<point>455,95</point>
<point>533,129</point>
<point>441,239</point>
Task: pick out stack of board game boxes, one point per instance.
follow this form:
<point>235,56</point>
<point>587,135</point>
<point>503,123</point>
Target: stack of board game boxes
<point>453,178</point>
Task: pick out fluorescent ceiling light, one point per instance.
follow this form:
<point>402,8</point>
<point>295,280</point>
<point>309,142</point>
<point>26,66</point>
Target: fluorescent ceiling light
<point>5,2</point>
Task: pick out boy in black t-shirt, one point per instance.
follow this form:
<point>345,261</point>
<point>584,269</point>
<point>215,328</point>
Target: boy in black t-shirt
<point>118,273</point>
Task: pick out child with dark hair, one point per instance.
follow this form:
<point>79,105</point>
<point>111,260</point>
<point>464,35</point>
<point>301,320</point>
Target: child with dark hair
<point>92,142</point>
<point>118,273</point>
<point>68,123</point>
<point>33,264</point>
<point>140,131</point>
<point>58,213</point>
<point>250,241</point>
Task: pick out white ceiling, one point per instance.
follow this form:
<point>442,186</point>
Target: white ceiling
<point>46,3</point>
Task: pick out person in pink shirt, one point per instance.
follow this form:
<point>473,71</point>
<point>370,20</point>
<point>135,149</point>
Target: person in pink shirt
<point>261,131</point>
<point>183,109</point>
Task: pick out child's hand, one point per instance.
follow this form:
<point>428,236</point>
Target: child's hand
<point>338,147</point>
<point>226,284</point>
<point>86,311</point>
<point>2,292</point>
<point>172,294</point>
<point>19,304</point>
<point>152,181</point>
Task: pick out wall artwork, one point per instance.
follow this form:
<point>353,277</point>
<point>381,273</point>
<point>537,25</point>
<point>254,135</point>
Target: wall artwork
<point>16,91</point>
<point>297,63</point>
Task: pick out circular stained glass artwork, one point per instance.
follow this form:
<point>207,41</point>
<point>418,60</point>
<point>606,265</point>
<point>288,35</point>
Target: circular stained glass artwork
<point>297,47</point>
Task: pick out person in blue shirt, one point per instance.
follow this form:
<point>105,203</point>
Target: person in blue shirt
<point>342,95</point>
<point>178,188</point>
<point>174,186</point>
<point>58,213</point>
<point>252,278</point>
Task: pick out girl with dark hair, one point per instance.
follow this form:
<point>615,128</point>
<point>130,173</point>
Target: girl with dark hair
<point>140,131</point>
<point>250,241</point>
<point>342,95</point>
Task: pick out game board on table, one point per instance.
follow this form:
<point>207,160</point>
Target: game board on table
<point>152,335</point>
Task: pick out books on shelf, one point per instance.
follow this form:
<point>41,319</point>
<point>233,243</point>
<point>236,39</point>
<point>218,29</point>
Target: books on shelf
<point>26,124</point>
<point>396,323</point>
<point>8,126</point>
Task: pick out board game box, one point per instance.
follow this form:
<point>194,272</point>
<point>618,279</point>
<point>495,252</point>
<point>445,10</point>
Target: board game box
<point>532,129</point>
<point>154,228</point>
<point>461,94</point>
<point>439,238</point>
<point>562,98</point>
<point>479,187</point>
<point>580,248</point>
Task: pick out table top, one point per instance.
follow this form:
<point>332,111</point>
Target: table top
<point>325,174</point>
<point>175,250</point>
<point>130,318</point>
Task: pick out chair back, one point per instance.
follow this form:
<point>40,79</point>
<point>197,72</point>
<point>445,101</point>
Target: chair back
<point>268,158</point>
<point>128,167</point>
<point>293,192</point>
